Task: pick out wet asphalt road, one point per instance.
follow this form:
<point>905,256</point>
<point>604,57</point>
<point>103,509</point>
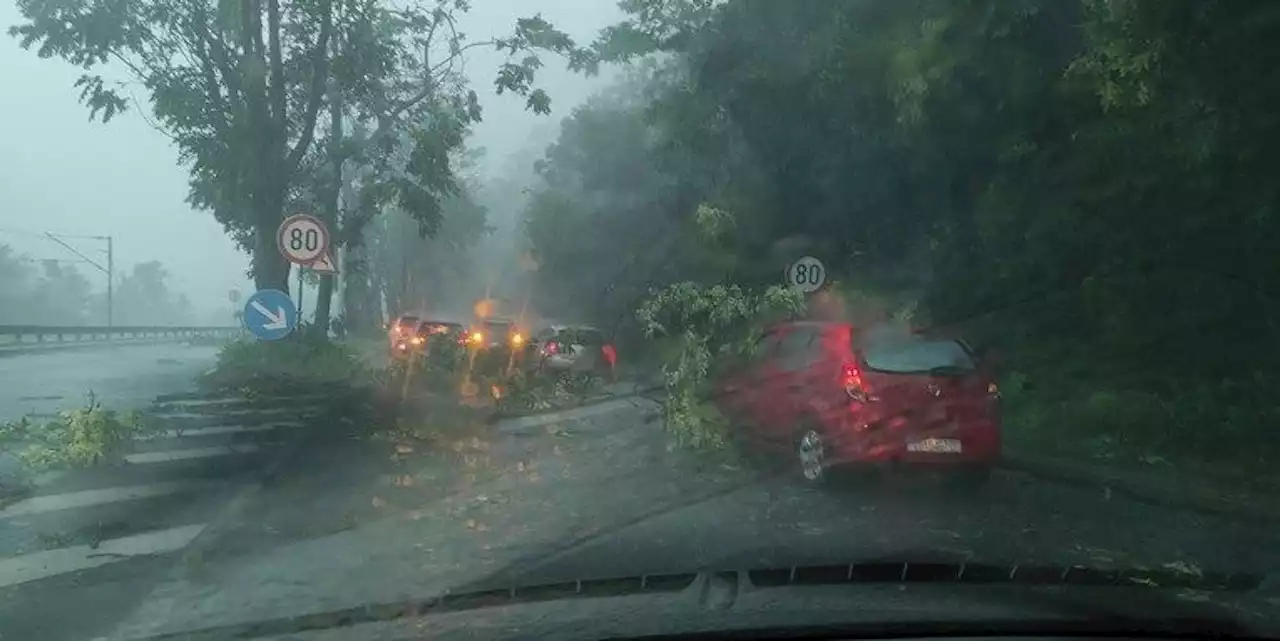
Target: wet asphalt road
<point>122,377</point>
<point>349,520</point>
<point>596,493</point>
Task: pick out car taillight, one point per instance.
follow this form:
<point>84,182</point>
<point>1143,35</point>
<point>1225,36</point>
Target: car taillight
<point>854,386</point>
<point>551,348</point>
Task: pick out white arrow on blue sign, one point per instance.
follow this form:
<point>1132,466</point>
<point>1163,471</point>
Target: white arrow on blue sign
<point>270,314</point>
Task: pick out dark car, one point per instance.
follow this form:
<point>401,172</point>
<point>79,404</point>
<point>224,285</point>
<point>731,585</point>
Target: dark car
<point>831,395</point>
<point>498,345</point>
<point>425,336</point>
<point>496,333</point>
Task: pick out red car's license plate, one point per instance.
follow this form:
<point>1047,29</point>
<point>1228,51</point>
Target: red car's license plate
<point>936,445</point>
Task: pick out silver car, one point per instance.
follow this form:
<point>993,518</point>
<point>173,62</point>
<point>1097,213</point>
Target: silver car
<point>571,348</point>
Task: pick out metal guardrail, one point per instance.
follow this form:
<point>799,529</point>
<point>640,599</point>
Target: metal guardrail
<point>48,335</point>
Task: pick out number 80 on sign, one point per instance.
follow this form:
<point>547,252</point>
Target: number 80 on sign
<point>302,239</point>
<point>806,274</point>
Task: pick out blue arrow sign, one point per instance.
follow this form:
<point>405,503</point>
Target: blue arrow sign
<point>270,314</point>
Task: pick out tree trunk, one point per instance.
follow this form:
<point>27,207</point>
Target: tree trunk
<point>270,270</point>
<point>355,293</point>
<point>329,208</point>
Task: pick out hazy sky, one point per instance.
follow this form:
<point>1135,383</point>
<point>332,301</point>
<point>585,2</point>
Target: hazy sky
<point>61,173</point>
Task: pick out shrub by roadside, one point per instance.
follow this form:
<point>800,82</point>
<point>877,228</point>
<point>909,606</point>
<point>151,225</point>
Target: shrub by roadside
<point>298,364</point>
<point>1194,433</point>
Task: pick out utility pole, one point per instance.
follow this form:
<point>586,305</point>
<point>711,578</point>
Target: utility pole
<point>109,270</point>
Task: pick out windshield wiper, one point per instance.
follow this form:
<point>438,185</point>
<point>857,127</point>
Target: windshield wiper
<point>877,572</point>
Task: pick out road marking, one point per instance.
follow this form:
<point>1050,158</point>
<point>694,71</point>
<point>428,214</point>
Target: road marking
<point>234,400</point>
<point>224,429</point>
<point>87,498</point>
<point>569,415</point>
<point>41,565</point>
<point>193,453</point>
<point>244,412</point>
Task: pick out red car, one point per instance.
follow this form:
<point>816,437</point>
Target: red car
<point>830,395</point>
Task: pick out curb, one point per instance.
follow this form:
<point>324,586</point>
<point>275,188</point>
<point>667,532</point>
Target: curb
<point>13,350</point>
<point>1183,496</point>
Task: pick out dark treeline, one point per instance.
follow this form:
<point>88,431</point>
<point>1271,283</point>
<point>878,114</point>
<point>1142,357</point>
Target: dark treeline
<point>1089,184</point>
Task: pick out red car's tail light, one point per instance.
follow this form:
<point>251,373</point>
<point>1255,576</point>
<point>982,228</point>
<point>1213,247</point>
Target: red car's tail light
<point>851,376</point>
<point>854,386</point>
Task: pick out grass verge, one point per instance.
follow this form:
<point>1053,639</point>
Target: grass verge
<point>1207,441</point>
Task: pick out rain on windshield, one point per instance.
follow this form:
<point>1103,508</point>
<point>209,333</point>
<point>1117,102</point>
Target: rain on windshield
<point>311,306</point>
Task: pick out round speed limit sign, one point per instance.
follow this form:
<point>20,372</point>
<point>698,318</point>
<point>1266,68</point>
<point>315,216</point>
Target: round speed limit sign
<point>806,274</point>
<point>302,239</point>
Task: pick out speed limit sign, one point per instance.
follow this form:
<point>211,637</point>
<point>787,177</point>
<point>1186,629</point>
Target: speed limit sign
<point>806,274</point>
<point>302,239</point>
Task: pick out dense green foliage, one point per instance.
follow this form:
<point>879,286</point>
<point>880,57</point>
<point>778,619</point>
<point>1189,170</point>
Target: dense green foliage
<point>1085,183</point>
<point>78,438</point>
<point>708,326</point>
<point>309,364</point>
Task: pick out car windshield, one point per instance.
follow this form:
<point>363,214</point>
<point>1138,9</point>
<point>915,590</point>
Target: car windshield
<point>579,336</point>
<point>435,327</point>
<point>314,314</point>
<point>499,327</point>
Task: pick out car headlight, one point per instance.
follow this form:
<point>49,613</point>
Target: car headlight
<point>417,340</point>
<point>517,340</point>
<point>476,337</point>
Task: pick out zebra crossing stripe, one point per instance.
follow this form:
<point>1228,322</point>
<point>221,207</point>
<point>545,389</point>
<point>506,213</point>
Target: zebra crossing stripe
<point>42,565</point>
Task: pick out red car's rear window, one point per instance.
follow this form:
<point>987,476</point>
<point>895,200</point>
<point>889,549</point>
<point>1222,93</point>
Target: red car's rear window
<point>915,356</point>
